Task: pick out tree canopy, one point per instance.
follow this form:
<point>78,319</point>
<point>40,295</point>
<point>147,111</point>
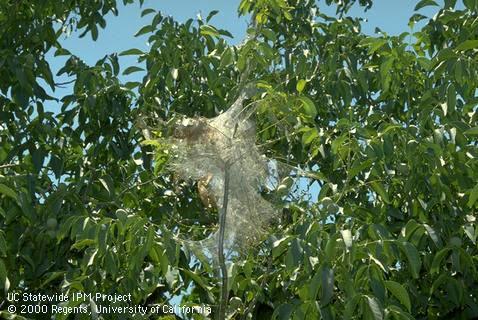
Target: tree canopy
<point>375,137</point>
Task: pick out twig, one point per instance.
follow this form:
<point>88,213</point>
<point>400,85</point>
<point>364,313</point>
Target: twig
<point>138,185</point>
<point>61,84</point>
<point>8,165</point>
<point>220,247</point>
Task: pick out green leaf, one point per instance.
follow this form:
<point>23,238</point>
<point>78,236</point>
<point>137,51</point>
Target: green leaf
<point>132,84</point>
<point>359,166</point>
<point>425,3</point>
<point>91,260</point>
<point>242,60</point>
<point>197,279</point>
<point>410,229</point>
<point>373,44</point>
<point>147,11</point>
<point>144,30</point>
<point>330,248</point>
<point>131,52</point>
<point>301,85</point>
<point>4,283</point>
<point>399,292</point>
<point>3,245</point>
<point>114,62</point>
<point>132,69</point>
<point>472,131</point>
<point>208,30</point>
<point>294,255</point>
<point>283,312</point>
<point>211,14</point>
<point>375,308</point>
<point>393,309</point>
<point>309,106</point>
<point>450,4</point>
<point>451,98</point>
<point>351,306</point>
<point>225,33</point>
<point>108,184</point>
<point>467,45</point>
<point>52,276</point>
<point>38,157</point>
<point>433,235</point>
<point>327,285</point>
<point>454,290</point>
<point>8,192</point>
<point>309,135</point>
<point>83,243</point>
<point>56,164</point>
<point>413,258</point>
<point>227,58</point>
<point>314,286</point>
<point>279,246</point>
<point>470,4</point>
<point>94,32</point>
<point>438,282</point>
<point>62,52</point>
<point>470,231</point>
<point>269,34</point>
<point>473,196</point>
<point>380,190</point>
<point>439,256</point>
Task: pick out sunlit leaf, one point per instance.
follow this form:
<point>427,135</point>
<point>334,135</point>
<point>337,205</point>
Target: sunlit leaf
<point>309,106</point>
<point>375,308</point>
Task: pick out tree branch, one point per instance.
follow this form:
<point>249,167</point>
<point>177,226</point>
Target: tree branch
<point>220,248</point>
<point>8,165</point>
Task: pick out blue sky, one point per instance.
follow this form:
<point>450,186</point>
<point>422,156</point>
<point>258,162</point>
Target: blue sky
<point>390,16</point>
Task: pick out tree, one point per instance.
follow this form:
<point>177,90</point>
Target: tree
<point>383,127</point>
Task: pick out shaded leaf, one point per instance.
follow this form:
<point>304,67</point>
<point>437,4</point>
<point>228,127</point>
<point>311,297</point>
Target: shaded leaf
<point>147,11</point>
<point>413,258</point>
<point>380,190</point>
<point>439,256</point>
<point>131,52</point>
<point>144,30</point>
<point>400,293</point>
<point>425,3</point>
<point>473,196</point>
<point>327,285</point>
<point>8,192</point>
<point>3,276</point>
<point>132,69</point>
<point>375,308</point>
<point>211,14</point>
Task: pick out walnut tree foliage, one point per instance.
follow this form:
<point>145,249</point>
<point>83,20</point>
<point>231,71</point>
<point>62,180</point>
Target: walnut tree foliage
<point>384,126</point>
